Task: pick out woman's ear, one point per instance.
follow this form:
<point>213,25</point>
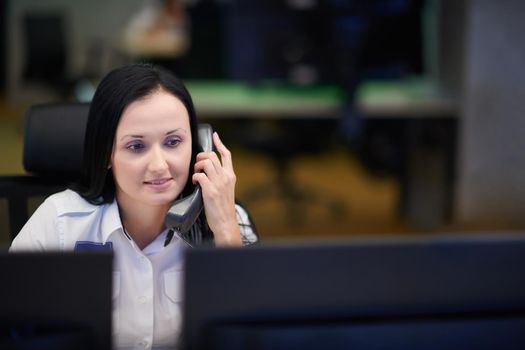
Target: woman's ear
<point>110,160</point>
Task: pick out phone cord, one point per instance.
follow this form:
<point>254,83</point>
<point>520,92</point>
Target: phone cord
<point>169,237</point>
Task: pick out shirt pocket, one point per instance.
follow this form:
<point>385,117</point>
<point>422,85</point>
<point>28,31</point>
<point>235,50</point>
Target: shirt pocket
<point>173,285</point>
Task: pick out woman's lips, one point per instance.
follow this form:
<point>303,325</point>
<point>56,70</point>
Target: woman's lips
<point>159,184</point>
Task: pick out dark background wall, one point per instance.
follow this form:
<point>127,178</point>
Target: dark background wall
<point>3,34</point>
<point>491,167</point>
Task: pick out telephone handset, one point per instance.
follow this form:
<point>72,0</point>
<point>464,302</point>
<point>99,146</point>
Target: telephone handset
<point>184,212</point>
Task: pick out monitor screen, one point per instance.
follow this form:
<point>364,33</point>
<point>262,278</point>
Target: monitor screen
<point>55,300</point>
<point>320,42</point>
<point>427,292</point>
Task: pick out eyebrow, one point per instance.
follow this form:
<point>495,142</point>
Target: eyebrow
<point>142,136</point>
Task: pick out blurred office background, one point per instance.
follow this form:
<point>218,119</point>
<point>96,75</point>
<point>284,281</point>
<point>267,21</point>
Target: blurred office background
<point>344,116</point>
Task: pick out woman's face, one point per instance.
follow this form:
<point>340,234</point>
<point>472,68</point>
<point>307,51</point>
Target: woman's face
<point>152,151</point>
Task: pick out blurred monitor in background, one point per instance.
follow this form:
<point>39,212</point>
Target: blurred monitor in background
<point>332,41</point>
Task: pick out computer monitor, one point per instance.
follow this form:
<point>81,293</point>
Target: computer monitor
<point>323,42</point>
<point>426,292</point>
<point>55,300</point>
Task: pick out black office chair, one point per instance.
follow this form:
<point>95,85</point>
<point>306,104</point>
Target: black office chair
<point>52,156</point>
<point>284,141</point>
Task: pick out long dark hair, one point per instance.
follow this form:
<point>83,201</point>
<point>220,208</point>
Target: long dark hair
<point>116,91</point>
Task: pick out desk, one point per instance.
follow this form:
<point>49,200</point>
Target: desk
<point>413,98</point>
<point>275,101</point>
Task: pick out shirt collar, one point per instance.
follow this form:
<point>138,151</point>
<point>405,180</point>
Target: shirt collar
<point>157,244</point>
<point>110,221</point>
<point>72,203</point>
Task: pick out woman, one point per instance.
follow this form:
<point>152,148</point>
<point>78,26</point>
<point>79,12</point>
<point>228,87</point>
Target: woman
<point>141,153</point>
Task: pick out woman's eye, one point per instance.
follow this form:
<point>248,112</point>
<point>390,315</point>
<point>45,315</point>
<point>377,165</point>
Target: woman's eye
<point>136,146</point>
<point>172,142</point>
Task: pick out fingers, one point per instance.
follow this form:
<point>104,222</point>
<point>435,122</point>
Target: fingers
<point>225,153</point>
<point>224,163</point>
<point>202,180</point>
<point>214,172</point>
<point>219,173</point>
<point>215,185</point>
<point>208,162</point>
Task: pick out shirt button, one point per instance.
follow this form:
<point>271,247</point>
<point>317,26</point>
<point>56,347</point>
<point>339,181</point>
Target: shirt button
<point>143,343</point>
<point>142,299</point>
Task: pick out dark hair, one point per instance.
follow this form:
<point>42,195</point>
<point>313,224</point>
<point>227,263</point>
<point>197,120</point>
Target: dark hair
<point>116,91</point>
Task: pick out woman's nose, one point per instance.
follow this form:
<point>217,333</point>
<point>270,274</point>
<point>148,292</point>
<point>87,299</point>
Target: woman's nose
<point>157,162</point>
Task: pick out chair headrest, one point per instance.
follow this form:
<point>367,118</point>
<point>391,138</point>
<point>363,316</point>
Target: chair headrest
<point>54,139</point>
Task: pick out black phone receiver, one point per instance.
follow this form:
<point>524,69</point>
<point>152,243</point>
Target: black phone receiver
<point>184,212</point>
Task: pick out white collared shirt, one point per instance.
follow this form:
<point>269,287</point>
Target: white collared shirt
<point>146,283</point>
